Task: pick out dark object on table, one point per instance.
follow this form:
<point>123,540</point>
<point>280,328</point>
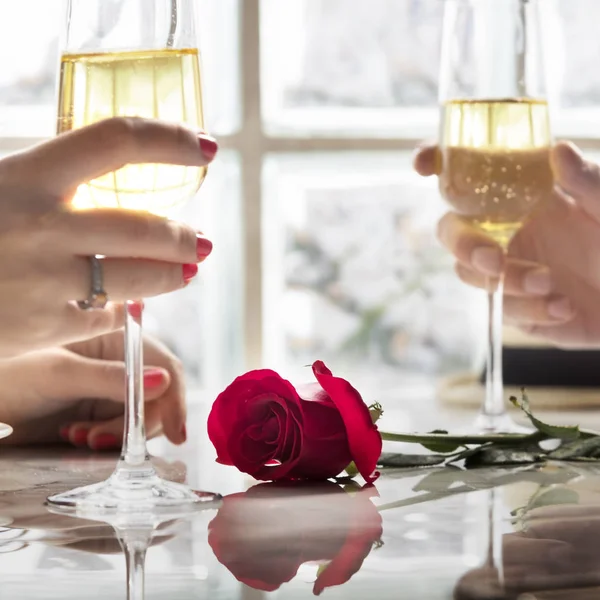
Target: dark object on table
<point>550,367</point>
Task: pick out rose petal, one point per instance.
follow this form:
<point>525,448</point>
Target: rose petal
<point>234,400</point>
<point>288,454</point>
<point>364,439</point>
<point>313,392</point>
<point>271,430</point>
<point>255,432</point>
<point>250,455</point>
<point>325,451</point>
<point>224,413</point>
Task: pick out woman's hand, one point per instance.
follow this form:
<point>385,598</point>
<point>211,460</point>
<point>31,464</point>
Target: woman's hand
<point>77,394</point>
<point>44,243</point>
<point>553,270</point>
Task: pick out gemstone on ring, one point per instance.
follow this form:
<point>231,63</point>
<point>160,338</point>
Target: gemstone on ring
<point>95,301</point>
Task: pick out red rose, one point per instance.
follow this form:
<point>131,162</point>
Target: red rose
<point>263,536</point>
<point>265,427</point>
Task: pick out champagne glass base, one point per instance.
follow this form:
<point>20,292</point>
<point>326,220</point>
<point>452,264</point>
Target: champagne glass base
<point>502,423</point>
<point>134,495</point>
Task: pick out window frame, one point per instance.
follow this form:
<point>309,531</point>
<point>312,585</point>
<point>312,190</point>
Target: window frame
<point>253,142</point>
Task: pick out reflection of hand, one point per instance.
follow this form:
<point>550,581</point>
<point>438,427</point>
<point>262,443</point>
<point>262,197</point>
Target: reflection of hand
<point>25,508</point>
<point>103,539</point>
<point>552,275</point>
<point>264,535</point>
<point>43,244</point>
<point>557,550</point>
<point>77,392</point>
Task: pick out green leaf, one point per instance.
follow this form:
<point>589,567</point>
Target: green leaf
<point>351,470</point>
<point>391,460</point>
<point>554,497</point>
<point>461,440</point>
<point>551,431</point>
<point>495,456</point>
<point>441,447</point>
<point>577,449</point>
<point>376,412</point>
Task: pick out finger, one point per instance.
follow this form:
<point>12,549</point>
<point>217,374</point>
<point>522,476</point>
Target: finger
<point>522,278</point>
<point>553,310</point>
<point>173,403</point>
<point>119,233</point>
<point>62,164</point>
<point>75,324</point>
<point>124,279</point>
<point>578,177</point>
<point>80,377</point>
<point>470,246</point>
<point>426,160</point>
<point>108,435</point>
<point>519,549</point>
<point>522,582</point>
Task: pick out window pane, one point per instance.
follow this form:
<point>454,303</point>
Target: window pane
<point>202,323</point>
<point>353,274</point>
<point>581,77</point>
<point>28,65</point>
<point>350,66</point>
<point>573,58</point>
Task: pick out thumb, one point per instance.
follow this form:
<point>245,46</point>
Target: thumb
<point>577,177</point>
<point>426,161</point>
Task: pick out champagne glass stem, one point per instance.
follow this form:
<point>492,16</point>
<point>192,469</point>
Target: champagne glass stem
<point>134,453</point>
<point>495,558</point>
<point>493,405</point>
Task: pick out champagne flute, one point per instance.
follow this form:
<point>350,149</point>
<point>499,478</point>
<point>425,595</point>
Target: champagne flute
<point>495,142</point>
<point>132,58</point>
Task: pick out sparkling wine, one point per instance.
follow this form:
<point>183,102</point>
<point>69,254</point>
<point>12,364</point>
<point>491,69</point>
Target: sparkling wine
<point>496,161</point>
<point>161,84</point>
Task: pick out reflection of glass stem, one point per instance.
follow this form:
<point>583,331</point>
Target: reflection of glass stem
<point>135,542</point>
<point>495,556</point>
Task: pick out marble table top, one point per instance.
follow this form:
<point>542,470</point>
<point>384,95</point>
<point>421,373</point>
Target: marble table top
<point>430,534</point>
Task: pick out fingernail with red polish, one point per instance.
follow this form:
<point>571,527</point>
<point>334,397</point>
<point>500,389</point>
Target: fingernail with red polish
<point>80,437</point>
<point>64,433</point>
<point>203,247</point>
<point>189,272</point>
<point>153,378</point>
<point>135,308</point>
<point>184,433</point>
<point>105,441</point>
<point>208,146</point>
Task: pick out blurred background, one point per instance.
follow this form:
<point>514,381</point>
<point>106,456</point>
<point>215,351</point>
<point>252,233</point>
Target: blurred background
<point>324,238</point>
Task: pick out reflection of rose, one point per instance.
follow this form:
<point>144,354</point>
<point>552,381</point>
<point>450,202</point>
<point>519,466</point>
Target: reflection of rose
<point>264,535</point>
<point>265,427</point>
